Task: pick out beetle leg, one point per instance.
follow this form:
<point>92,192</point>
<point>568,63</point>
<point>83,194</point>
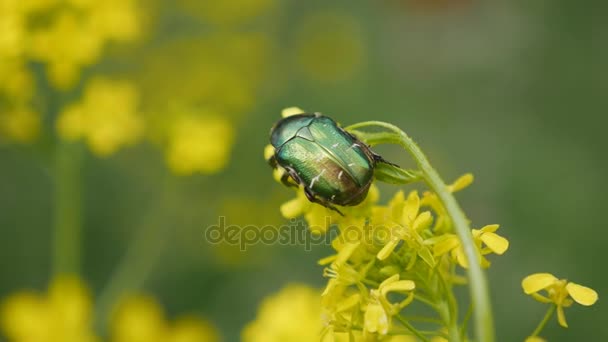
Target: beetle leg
<point>288,180</point>
<point>379,159</point>
<point>311,197</point>
<point>272,161</point>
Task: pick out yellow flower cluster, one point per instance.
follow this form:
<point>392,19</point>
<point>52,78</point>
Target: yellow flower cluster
<point>63,35</point>
<point>107,117</point>
<point>294,314</point>
<point>65,313</point>
<point>199,143</point>
<point>76,33</point>
<point>406,248</point>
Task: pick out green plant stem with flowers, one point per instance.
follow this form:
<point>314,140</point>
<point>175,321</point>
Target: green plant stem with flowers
<point>478,284</point>
<point>413,249</point>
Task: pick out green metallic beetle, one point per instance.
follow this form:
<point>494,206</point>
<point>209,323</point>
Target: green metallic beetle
<point>332,165</point>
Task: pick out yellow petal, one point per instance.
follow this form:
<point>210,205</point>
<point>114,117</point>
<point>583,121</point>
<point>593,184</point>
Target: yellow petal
<point>582,294</point>
<point>446,245</point>
<point>349,302</point>
<point>535,339</point>
<point>536,282</point>
<point>561,317</point>
<point>376,319</point>
<point>268,152</point>
<point>412,206</point>
<point>495,242</point>
<point>387,249</point>
<point>346,252</point>
<point>292,208</point>
<point>491,228</point>
<point>396,205</point>
<point>290,111</point>
<point>461,183</point>
<point>398,286</point>
<point>389,280</point>
<point>423,221</point>
<point>461,258</point>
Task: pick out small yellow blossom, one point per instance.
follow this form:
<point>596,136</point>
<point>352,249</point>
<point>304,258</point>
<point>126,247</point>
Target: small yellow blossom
<point>12,29</point>
<point>379,311</point>
<point>115,19</point>
<point>66,46</point>
<point>16,81</point>
<point>405,222</point>
<point>107,117</point>
<point>141,319</point>
<point>199,143</point>
<point>293,314</point>
<point>486,241</point>
<point>560,292</point>
<point>63,314</point>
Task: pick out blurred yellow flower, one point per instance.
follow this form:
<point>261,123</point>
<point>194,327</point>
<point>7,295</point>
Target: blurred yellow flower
<point>16,81</point>
<point>293,314</point>
<point>141,319</point>
<point>76,34</point>
<point>69,43</point>
<point>329,46</point>
<point>12,29</point>
<point>107,117</point>
<point>560,292</point>
<point>20,125</point>
<point>199,143</point>
<point>63,314</point>
<point>115,19</point>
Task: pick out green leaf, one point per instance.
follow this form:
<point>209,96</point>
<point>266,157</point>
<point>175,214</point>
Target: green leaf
<point>393,174</point>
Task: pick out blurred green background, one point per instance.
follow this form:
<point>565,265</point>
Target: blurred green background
<point>512,91</point>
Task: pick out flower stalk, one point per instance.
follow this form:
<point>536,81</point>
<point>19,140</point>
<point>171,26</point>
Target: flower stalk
<point>484,323</point>
<point>67,224</point>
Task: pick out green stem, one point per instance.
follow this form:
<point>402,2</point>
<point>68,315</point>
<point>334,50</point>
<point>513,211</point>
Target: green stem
<point>484,322</point>
<point>138,263</point>
<point>542,323</point>
<point>411,328</point>
<point>67,220</point>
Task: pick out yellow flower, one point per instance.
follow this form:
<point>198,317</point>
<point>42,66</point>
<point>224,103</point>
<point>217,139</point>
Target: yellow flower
<point>67,45</point>
<point>63,314</point>
<point>404,222</point>
<point>380,311</point>
<point>320,218</point>
<point>560,292</point>
<point>12,29</point>
<point>293,314</point>
<point>199,143</point>
<point>107,118</point>
<point>16,81</point>
<point>141,319</point>
<point>493,242</point>
<point>115,19</point>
